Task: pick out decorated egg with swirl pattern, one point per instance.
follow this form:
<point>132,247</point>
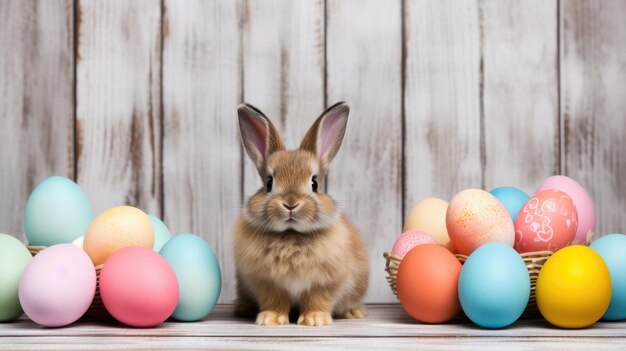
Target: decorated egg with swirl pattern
<point>547,222</point>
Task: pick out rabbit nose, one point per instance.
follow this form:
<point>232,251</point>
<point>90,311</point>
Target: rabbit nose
<point>290,207</point>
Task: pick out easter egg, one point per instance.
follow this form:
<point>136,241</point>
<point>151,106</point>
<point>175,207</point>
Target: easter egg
<point>429,216</point>
<point>58,285</point>
<point>14,257</point>
<point>582,201</point>
<point>138,287</point>
<point>513,199</point>
<point>475,218</point>
<point>198,273</point>
<point>427,281</point>
<point>573,287</point>
<point>612,249</point>
<point>116,228</point>
<point>161,233</point>
<point>547,222</point>
<point>57,211</point>
<point>494,286</point>
<point>408,240</point>
<point>79,241</point>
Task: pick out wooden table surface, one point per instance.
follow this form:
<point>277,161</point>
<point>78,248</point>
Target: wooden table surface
<point>387,327</point>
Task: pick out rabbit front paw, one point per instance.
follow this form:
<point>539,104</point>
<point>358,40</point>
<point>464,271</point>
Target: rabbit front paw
<point>272,318</point>
<point>315,318</point>
<point>355,313</point>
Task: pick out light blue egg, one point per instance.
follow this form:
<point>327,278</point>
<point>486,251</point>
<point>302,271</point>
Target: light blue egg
<point>612,249</point>
<point>56,212</point>
<point>513,199</point>
<point>198,273</point>
<point>494,286</point>
<point>161,233</point>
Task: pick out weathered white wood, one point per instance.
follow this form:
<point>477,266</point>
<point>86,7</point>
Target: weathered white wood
<point>593,104</point>
<point>283,68</point>
<point>384,321</point>
<point>201,152</point>
<point>442,100</point>
<point>36,101</point>
<point>306,344</point>
<point>364,45</point>
<point>520,92</point>
<point>118,103</point>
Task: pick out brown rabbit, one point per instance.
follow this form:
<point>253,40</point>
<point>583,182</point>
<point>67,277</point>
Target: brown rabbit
<point>292,246</point>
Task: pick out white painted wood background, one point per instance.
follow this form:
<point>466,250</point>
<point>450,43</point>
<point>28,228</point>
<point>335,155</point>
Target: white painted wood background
<point>136,100</point>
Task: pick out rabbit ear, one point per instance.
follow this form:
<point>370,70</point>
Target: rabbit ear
<point>326,135</point>
<point>258,135</point>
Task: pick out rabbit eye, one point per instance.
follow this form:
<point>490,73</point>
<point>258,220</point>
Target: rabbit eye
<point>269,184</point>
<point>314,183</point>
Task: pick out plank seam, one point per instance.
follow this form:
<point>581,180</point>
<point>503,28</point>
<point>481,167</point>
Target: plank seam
<point>561,121</point>
<point>403,48</point>
<point>481,95</point>
<point>76,29</point>
<point>161,118</point>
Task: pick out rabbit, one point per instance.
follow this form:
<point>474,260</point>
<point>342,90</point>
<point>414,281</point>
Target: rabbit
<point>292,246</point>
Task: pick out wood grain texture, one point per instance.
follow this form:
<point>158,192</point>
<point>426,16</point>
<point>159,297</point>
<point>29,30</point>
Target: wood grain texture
<point>442,153</point>
<point>520,92</point>
<point>387,327</point>
<point>364,68</point>
<point>283,68</point>
<point>36,101</point>
<point>593,104</point>
<point>118,103</point>
<point>306,344</point>
<point>201,152</point>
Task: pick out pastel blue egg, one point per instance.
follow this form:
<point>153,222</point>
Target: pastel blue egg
<point>56,212</point>
<point>612,249</point>
<point>161,233</point>
<point>198,273</point>
<point>513,199</point>
<point>494,286</point>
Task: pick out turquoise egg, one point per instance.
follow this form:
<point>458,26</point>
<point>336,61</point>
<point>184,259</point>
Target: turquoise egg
<point>494,286</point>
<point>161,233</point>
<point>14,257</point>
<point>612,249</point>
<point>513,199</point>
<point>56,212</point>
<point>198,273</point>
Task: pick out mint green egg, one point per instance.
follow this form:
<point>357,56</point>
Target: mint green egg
<point>161,233</point>
<point>57,212</point>
<point>14,257</point>
<point>198,274</point>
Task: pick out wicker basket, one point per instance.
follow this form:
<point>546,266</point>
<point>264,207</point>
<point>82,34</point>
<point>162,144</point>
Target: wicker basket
<point>97,307</point>
<point>534,261</point>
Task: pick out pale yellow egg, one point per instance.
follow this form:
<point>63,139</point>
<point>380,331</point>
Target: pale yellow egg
<point>116,228</point>
<point>429,215</point>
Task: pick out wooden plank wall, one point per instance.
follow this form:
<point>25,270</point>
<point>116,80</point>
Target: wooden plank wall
<point>136,101</point>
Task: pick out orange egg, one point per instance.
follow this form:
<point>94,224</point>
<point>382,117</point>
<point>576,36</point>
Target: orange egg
<point>428,279</point>
<point>475,218</point>
<point>116,228</point>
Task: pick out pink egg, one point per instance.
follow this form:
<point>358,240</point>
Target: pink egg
<point>582,201</point>
<point>138,287</point>
<point>58,285</point>
<point>474,218</point>
<point>547,222</point>
<point>410,239</point>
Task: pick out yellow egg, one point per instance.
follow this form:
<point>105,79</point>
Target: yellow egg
<point>429,215</point>
<point>573,287</point>
<point>116,228</point>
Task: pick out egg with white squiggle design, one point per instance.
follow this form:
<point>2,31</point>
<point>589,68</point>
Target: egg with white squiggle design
<point>547,222</point>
